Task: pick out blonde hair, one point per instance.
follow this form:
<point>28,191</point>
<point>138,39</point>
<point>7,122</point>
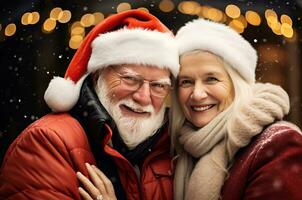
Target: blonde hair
<point>242,92</point>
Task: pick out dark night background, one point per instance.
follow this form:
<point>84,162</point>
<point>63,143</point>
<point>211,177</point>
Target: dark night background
<point>30,58</point>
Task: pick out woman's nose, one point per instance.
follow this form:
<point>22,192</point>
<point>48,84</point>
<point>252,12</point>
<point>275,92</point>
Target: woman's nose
<point>199,92</point>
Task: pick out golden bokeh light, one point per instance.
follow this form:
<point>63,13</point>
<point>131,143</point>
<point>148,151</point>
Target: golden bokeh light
<point>79,30</point>
<point>270,12</point>
<point>35,17</point>
<point>271,20</point>
<point>49,25</point>
<point>237,25</point>
<point>242,20</point>
<point>87,20</point>
<point>253,18</point>
<point>10,30</point>
<point>64,16</point>
<point>75,41</point>
<point>75,24</point>
<point>55,12</point>
<point>203,11</point>
<point>215,15</point>
<point>123,7</point>
<point>143,9</point>
<point>287,30</point>
<point>189,7</point>
<point>98,17</point>
<point>285,19</point>
<point>276,28</point>
<point>24,18</point>
<point>232,11</point>
<point>166,6</point>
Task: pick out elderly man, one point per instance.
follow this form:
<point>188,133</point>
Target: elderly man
<point>109,111</point>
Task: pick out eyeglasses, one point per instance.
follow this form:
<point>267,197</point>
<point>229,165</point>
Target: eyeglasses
<point>133,82</point>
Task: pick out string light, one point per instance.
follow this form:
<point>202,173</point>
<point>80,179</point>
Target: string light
<point>287,30</point>
<point>237,25</point>
<point>24,18</point>
<point>49,25</point>
<point>232,11</point>
<point>166,6</point>
<point>10,29</point>
<point>123,7</point>
<point>75,41</point>
<point>253,18</point>
<point>242,21</point>
<point>232,16</point>
<point>189,7</point>
<point>87,20</point>
<point>214,15</point>
<point>35,17</point>
<point>285,19</point>
<point>55,12</point>
<point>143,9</point>
<point>276,27</point>
<point>98,17</point>
<point>64,16</point>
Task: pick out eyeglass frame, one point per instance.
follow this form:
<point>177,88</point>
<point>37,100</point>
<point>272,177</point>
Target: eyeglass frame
<point>139,82</point>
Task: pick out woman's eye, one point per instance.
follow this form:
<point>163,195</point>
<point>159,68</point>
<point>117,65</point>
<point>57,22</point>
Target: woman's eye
<point>211,79</point>
<point>185,83</point>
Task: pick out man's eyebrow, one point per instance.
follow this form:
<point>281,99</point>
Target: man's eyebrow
<point>163,80</point>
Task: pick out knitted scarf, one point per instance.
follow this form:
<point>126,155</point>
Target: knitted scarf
<point>207,153</point>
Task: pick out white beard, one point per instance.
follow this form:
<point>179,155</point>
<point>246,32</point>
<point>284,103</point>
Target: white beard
<point>133,131</point>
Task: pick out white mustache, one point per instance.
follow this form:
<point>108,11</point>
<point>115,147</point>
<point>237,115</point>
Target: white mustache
<point>131,104</point>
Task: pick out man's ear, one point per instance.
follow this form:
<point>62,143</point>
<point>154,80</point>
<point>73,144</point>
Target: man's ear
<point>95,77</point>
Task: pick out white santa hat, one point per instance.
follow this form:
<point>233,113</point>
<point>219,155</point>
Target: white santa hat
<point>131,37</point>
<point>220,40</point>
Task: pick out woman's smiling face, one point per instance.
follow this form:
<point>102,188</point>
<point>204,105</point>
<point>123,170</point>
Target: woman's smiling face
<point>204,87</point>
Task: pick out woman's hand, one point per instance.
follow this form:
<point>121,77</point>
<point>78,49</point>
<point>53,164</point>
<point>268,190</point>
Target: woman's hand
<point>99,188</point>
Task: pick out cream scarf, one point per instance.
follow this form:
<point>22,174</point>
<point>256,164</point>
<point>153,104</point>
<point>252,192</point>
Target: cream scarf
<point>208,152</point>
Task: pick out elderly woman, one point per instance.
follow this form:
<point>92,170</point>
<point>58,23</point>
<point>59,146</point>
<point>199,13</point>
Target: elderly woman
<point>226,129</point>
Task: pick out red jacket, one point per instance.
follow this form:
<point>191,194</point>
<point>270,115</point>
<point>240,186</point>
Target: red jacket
<point>269,168</point>
<point>42,164</point>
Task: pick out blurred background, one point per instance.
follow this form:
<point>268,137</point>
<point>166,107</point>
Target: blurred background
<point>39,38</point>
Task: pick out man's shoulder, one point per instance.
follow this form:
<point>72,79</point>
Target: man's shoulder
<point>61,127</point>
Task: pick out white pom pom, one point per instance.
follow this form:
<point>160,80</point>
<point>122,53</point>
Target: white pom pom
<point>62,94</point>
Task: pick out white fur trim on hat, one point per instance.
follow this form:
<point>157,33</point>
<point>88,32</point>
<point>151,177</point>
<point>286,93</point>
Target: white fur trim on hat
<point>62,94</point>
<point>134,46</point>
<point>222,41</point>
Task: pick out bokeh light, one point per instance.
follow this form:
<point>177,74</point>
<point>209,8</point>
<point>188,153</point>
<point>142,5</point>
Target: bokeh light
<point>64,16</point>
<point>166,6</point>
<point>49,25</point>
<point>232,11</point>
<point>287,30</point>
<point>123,7</point>
<point>98,17</point>
<point>253,18</point>
<point>285,19</point>
<point>10,29</point>
<point>237,25</point>
<point>87,20</point>
<point>75,41</point>
<point>55,12</point>
<point>189,7</point>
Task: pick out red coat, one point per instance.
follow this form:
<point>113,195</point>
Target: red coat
<point>269,168</point>
<point>42,164</point>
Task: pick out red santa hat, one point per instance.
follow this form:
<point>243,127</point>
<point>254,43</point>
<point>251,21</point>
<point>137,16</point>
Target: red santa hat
<point>221,40</point>
<point>131,37</point>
